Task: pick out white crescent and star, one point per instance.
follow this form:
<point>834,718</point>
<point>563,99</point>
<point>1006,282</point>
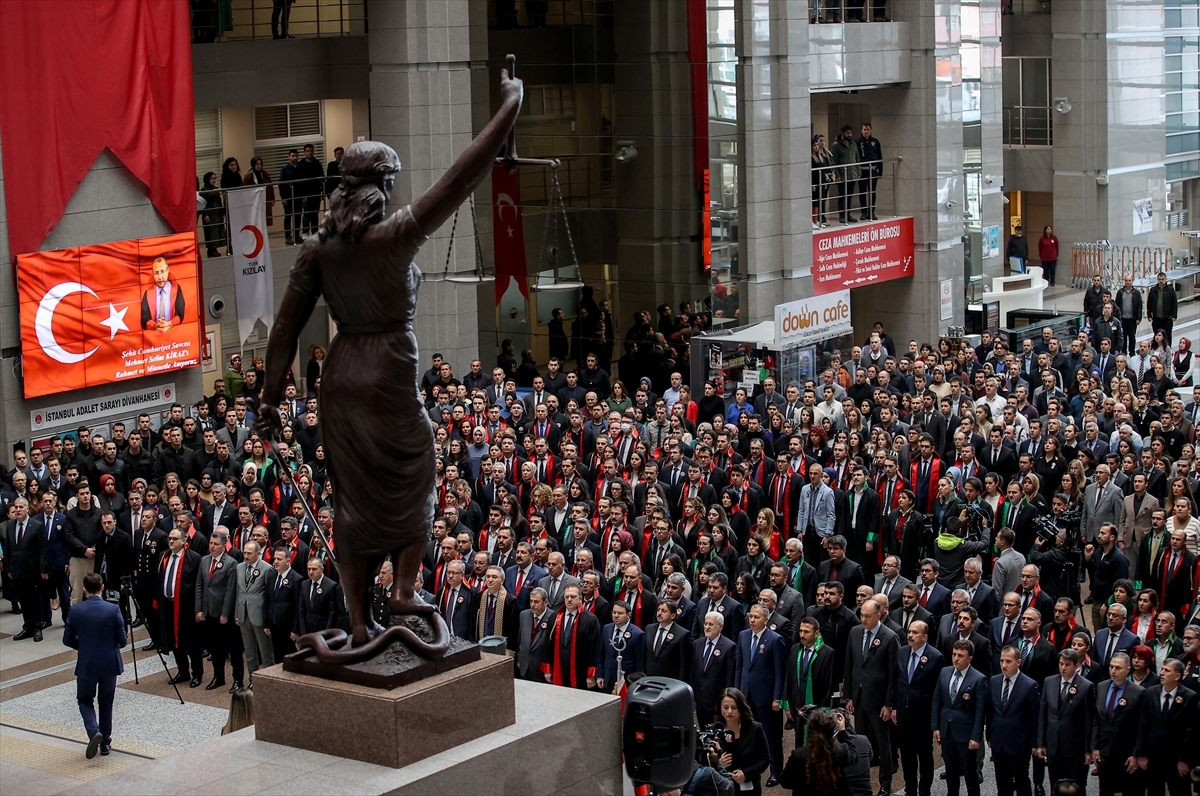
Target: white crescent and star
<point>502,201</point>
<point>44,322</point>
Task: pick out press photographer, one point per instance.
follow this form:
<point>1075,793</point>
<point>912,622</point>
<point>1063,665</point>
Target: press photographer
<point>818,766</point>
<point>115,561</point>
<point>1056,549</point>
<point>962,537</point>
<point>710,777</point>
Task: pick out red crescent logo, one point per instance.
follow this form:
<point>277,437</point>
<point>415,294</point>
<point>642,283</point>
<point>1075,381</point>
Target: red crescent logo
<point>258,240</point>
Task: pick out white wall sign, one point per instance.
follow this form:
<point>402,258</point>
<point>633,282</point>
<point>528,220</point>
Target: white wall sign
<point>947,294</point>
<point>815,318</point>
<point>84,412</point>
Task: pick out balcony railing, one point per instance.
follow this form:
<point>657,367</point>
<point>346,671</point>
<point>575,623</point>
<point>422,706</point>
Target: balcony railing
<point>1010,7</point>
<point>835,196</point>
<point>262,19</point>
<point>1028,127</point>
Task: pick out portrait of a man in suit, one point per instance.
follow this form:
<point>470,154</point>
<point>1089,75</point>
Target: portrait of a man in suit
<point>159,309</point>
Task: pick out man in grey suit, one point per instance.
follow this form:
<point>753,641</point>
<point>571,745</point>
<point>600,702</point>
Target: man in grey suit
<point>890,582</point>
<point>557,580</point>
<point>250,608</point>
<point>1102,503</point>
<point>535,624</point>
<point>871,684</point>
<point>215,593</point>
<point>1006,570</point>
<point>1065,720</point>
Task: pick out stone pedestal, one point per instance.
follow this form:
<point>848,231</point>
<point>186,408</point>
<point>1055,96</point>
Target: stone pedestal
<point>388,728</point>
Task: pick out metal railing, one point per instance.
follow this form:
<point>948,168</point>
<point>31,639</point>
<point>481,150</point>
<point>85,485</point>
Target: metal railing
<point>836,197</point>
<point>834,11</point>
<point>1026,126</point>
<point>510,15</point>
<point>1011,7</point>
<point>1112,264</point>
<point>298,205</point>
<point>264,19</point>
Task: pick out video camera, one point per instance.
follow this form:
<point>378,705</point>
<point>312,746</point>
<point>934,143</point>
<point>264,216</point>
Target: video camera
<point>1047,528</point>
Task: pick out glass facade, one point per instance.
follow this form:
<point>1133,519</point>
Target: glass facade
<point>1182,68</point>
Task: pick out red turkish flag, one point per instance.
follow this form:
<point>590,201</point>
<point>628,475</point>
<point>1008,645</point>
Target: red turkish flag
<point>79,76</point>
<point>508,232</point>
<point>108,312</point>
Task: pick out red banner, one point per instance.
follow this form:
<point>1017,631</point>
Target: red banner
<point>108,312</point>
<point>862,254</point>
<point>80,76</point>
<point>508,232</point>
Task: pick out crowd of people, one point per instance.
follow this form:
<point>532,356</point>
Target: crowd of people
<point>957,545</point>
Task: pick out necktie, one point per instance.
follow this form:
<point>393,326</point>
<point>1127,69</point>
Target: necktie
<point>924,596</point>
<point>1141,368</point>
<point>1062,694</point>
<point>912,664</point>
<point>520,581</point>
<point>708,651</point>
<point>658,639</point>
<point>955,682</point>
<point>169,586</point>
<point>866,642</point>
<point>1008,630</point>
<point>753,648</point>
<point>1108,652</point>
<point>212,568</point>
<point>567,627</point>
<point>1166,705</point>
<point>1008,691</point>
<point>278,583</point>
<point>451,599</point>
<point>887,588</point>
<point>20,532</point>
<point>162,303</point>
<point>1112,701</point>
<point>616,634</point>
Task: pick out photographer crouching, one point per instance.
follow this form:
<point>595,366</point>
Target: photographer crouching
<point>962,537</point>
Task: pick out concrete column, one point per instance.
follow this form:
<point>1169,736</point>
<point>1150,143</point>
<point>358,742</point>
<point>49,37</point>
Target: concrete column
<point>992,129</point>
<point>925,128</point>
<point>775,123</point>
<point>1107,62</point>
<point>658,204</point>
<point>429,96</point>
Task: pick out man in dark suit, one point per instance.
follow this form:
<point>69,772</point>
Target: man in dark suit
<point>997,457</point>
<point>717,599</point>
<point>149,545</point>
<point>668,644</point>
<point>316,609</point>
<point>176,594</point>
<point>1168,715</point>
<point>931,595</point>
<point>959,705</point>
<point>159,311</point>
<point>97,629</point>
<point>1012,716</point>
<point>621,631</point>
<point>51,526</point>
<point>1172,576</point>
<point>1031,594</point>
<point>1114,733</point>
<point>1006,628</point>
<point>1065,720</point>
<point>811,675</point>
<point>759,674</point>
<point>840,568</point>
<point>910,611</point>
<point>522,577</point>
<point>456,602</point>
<point>216,591</point>
<point>1112,639</point>
<point>984,598</point>
<point>775,620</point>
<point>713,667</point>
<point>219,513</point>
<point>870,684</point>
<point>918,666</point>
<point>534,629</point>
<point>967,628</point>
<point>890,583</point>
<point>114,554</point>
<point>25,561</point>
<point>860,519</point>
<point>282,604</point>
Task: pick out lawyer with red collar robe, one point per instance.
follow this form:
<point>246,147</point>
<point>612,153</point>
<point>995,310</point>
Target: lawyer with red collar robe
<point>573,647</point>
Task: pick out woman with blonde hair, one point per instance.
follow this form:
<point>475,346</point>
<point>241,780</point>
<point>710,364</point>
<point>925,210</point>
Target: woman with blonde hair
<point>241,711</point>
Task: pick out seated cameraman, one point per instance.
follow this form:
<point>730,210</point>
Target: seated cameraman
<point>1052,556</point>
<point>819,767</point>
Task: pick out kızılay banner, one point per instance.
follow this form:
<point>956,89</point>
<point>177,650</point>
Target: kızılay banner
<point>858,255</point>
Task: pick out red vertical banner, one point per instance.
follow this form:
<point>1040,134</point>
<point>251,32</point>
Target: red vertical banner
<point>508,233</point>
<point>706,223</point>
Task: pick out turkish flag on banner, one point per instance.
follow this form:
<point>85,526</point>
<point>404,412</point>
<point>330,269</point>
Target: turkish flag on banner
<point>508,232</point>
<point>108,312</point>
<point>79,76</point>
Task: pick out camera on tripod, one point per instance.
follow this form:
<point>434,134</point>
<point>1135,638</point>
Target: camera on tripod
<point>1047,528</point>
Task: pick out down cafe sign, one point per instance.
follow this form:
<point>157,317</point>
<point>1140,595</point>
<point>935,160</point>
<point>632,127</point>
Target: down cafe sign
<point>812,319</point>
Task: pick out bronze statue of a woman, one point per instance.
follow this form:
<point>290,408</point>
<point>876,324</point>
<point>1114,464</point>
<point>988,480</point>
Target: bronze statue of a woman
<point>376,434</point>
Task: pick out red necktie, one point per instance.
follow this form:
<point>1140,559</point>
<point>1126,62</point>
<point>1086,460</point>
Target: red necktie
<point>212,568</point>
<point>924,596</point>
<point>520,580</point>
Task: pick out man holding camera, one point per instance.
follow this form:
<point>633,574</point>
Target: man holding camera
<point>97,630</point>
